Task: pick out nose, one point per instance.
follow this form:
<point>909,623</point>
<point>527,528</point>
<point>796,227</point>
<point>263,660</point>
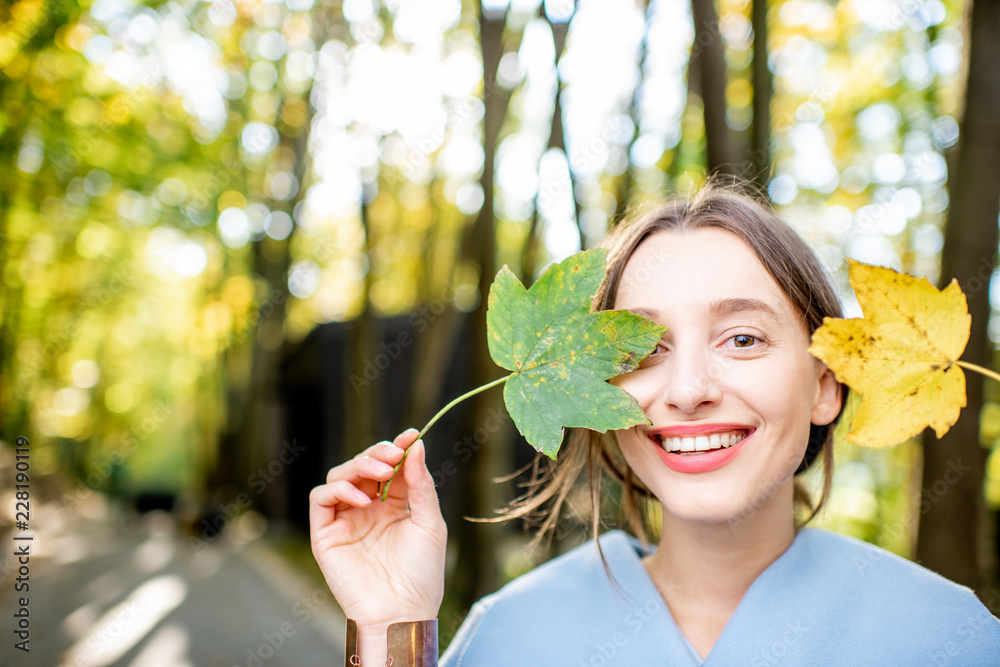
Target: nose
<point>691,381</point>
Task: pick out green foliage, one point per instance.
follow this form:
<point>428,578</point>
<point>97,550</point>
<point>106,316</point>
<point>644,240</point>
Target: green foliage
<point>561,354</point>
<point>109,182</point>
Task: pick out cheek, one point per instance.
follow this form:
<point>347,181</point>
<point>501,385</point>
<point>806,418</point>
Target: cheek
<point>630,445</point>
<point>640,456</point>
<point>780,394</point>
<point>640,384</point>
<point>784,401</point>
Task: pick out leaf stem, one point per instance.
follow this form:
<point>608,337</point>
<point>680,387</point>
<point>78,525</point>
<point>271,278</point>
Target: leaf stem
<point>440,413</point>
<point>979,369</point>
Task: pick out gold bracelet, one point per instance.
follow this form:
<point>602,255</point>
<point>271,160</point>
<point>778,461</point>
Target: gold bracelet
<point>409,644</point>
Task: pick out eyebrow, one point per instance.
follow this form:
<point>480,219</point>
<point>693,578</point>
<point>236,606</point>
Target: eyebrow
<point>731,306</point>
<point>720,308</point>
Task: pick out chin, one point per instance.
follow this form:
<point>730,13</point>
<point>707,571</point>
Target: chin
<point>709,512</point>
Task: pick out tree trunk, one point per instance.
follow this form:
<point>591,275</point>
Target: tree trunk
<point>436,344</point>
<point>954,520</point>
<point>557,134</point>
<point>557,139</point>
<point>759,160</point>
<point>477,573</point>
<point>362,399</point>
<point>708,50</point>
<point>260,429</point>
<point>627,180</point>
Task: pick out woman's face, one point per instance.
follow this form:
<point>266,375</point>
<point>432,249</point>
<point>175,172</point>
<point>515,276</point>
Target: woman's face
<point>733,369</point>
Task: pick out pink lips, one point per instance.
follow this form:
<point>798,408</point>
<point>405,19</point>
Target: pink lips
<point>698,463</point>
<point>681,430</point>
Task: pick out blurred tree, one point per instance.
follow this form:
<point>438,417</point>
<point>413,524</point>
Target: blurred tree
<point>476,541</point>
<point>758,166</point>
<point>952,500</point>
<point>187,189</point>
<point>709,61</point>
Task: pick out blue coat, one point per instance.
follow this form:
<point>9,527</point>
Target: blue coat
<point>827,600</point>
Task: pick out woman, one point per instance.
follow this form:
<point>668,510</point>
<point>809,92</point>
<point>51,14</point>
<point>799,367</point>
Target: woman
<point>737,407</point>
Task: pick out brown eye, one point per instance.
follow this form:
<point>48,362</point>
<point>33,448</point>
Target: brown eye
<point>744,340</point>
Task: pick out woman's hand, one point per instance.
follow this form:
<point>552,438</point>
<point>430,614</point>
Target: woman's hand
<point>383,560</point>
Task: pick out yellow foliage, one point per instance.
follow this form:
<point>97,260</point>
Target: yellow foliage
<point>231,199</point>
<point>992,486</point>
<point>77,36</point>
<point>902,357</point>
<point>118,109</point>
<point>238,293</point>
<point>739,93</point>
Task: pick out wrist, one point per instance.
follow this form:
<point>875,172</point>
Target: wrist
<point>400,643</point>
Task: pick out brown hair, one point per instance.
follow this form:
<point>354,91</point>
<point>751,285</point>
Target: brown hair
<point>796,270</point>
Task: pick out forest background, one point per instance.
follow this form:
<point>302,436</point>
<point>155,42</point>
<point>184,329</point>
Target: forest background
<point>242,240</point>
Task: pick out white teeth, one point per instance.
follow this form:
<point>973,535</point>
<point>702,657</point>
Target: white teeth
<point>701,443</point>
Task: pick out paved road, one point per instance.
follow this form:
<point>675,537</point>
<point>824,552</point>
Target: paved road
<point>139,593</point>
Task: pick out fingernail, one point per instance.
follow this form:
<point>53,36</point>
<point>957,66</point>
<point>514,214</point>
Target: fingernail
<point>382,468</point>
<point>362,497</point>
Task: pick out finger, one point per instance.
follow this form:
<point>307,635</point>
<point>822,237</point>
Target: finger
<point>406,438</point>
<point>421,495</point>
<point>384,451</point>
<point>375,463</point>
<point>341,491</point>
<point>324,501</point>
<point>360,469</point>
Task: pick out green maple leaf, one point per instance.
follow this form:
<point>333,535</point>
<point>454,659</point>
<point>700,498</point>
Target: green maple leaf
<point>562,355</point>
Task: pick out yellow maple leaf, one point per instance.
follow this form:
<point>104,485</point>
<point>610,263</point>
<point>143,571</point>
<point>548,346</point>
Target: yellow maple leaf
<point>902,357</point>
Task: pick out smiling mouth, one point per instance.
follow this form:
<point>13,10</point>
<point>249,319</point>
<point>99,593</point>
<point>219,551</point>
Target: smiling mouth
<point>695,445</point>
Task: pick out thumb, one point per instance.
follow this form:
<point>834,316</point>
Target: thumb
<point>421,494</point>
